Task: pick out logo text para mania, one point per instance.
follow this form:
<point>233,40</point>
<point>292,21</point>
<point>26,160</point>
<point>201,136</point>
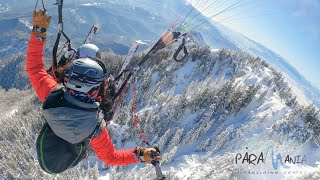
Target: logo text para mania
<point>276,159</point>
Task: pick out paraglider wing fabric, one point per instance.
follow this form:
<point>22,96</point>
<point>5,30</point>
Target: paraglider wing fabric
<point>132,50</point>
<point>166,39</point>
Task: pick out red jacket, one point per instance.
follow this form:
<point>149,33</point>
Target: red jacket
<point>43,84</point>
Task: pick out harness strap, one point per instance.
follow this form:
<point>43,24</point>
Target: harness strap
<point>185,51</point>
<point>43,6</point>
<point>120,93</point>
<point>56,45</point>
<point>135,115</point>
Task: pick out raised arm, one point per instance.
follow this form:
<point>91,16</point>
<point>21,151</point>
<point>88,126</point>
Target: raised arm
<point>40,80</point>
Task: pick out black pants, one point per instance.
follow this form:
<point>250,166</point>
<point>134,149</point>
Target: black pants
<point>56,155</point>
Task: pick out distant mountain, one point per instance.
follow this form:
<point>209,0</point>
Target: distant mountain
<point>120,25</point>
<point>163,8</point>
<point>169,10</point>
<point>245,44</point>
<point>218,36</point>
<point>123,21</point>
<point>15,8</point>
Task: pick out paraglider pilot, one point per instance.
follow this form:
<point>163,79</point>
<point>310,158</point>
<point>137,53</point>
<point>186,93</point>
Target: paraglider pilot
<point>72,116</point>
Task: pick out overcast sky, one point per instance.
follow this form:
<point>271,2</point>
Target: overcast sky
<point>290,28</point>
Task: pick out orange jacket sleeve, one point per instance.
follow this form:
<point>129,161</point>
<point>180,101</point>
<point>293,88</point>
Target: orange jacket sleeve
<point>40,80</point>
<point>104,149</point>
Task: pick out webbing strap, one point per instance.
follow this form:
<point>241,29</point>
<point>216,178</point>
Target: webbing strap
<point>134,106</point>
<point>120,93</point>
<point>161,44</point>
<point>135,115</point>
<point>56,45</point>
<point>54,55</point>
<point>185,51</point>
<point>43,5</point>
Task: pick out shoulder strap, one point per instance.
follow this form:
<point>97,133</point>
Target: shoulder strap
<point>53,99</point>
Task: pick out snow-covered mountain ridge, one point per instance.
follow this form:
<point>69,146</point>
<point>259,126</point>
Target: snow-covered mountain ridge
<point>297,81</point>
<point>201,113</point>
<point>217,104</point>
<point>126,20</point>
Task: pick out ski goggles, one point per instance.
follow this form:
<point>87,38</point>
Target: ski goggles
<point>78,79</point>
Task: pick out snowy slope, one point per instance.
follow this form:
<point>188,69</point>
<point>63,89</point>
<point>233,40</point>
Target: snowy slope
<point>206,110</point>
<point>201,113</point>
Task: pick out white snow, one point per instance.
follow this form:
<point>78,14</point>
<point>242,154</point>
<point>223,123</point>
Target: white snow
<point>12,112</point>
<point>254,127</point>
<point>215,50</point>
<point>304,89</point>
<point>263,125</point>
<point>182,77</point>
<point>140,42</point>
<point>26,22</point>
<point>302,98</point>
<point>91,4</point>
<point>204,141</point>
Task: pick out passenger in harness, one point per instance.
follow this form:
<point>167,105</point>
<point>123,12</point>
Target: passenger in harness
<point>73,119</point>
<point>107,92</point>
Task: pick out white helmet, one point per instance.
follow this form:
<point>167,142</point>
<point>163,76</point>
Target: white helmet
<point>84,75</point>
<point>88,51</point>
